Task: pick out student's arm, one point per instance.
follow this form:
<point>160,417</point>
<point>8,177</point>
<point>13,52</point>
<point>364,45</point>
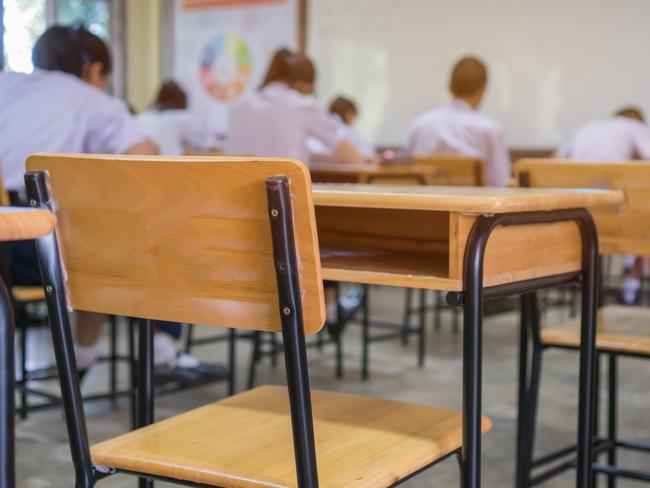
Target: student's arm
<point>345,152</point>
<point>113,130</point>
<point>498,166</point>
<point>642,143</point>
<point>143,148</point>
<point>320,125</point>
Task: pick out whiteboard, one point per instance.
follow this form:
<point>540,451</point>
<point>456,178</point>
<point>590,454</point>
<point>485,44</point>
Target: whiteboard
<point>222,49</point>
<point>554,64</point>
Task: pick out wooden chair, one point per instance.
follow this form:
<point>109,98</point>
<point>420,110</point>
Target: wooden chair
<point>454,170</point>
<point>226,242</point>
<point>622,330</point>
<point>15,224</point>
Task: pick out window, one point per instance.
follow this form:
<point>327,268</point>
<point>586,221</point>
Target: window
<point>24,20</point>
<point>94,14</point>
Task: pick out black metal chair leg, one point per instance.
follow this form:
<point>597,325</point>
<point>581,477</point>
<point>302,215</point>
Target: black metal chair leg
<point>255,356</point>
<point>407,316</point>
<point>189,338</point>
<point>7,388</point>
<point>365,353</point>
<point>339,354</point>
<point>612,414</point>
<point>145,412</point>
<point>437,309</point>
<point>133,372</point>
<point>596,416</point>
<point>23,373</point>
<point>275,348</point>
<point>422,332</point>
<point>112,377</point>
<point>232,361</point>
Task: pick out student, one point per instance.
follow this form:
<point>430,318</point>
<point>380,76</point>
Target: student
<point>171,126</point>
<point>459,128</point>
<point>345,112</point>
<point>63,107</point>
<point>622,137</point>
<point>277,119</point>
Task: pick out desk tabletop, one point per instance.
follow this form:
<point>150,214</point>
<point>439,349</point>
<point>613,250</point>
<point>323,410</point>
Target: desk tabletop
<point>18,223</point>
<point>460,199</point>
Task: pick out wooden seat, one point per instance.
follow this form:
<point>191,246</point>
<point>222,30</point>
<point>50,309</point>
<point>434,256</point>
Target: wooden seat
<point>621,329</point>
<point>245,441</point>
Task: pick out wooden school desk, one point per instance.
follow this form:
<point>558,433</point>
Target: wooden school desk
<point>403,174</point>
<point>15,224</point>
<point>476,244</point>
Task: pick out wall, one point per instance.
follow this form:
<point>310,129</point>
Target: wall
<point>554,64</point>
<point>143,30</point>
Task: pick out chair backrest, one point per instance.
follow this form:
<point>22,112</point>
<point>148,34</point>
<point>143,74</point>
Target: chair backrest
<point>183,239</point>
<point>454,170</point>
<point>624,230</point>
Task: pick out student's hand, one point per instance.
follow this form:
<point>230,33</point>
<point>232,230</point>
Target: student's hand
<point>144,148</point>
<point>345,152</point>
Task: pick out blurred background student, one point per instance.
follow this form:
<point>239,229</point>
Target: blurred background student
<point>459,128</point>
<point>174,128</point>
<point>344,112</point>
<point>278,119</point>
<point>622,137</point>
<point>63,107</point>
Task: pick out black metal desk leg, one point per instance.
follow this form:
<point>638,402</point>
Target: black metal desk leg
<point>7,380</point>
<point>587,388</point>
<point>472,351</point>
<point>521,474</point>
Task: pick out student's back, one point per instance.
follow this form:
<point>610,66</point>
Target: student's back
<point>279,118</point>
<point>171,126</point>
<point>52,111</point>
<point>459,128</point>
<point>455,128</point>
<point>617,138</point>
<point>276,122</point>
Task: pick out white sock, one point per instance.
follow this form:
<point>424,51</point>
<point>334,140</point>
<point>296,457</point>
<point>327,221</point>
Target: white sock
<point>86,355</point>
<point>164,349</point>
<point>629,261</point>
<point>630,288</point>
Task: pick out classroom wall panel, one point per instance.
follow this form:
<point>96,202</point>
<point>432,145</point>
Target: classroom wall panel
<point>555,64</point>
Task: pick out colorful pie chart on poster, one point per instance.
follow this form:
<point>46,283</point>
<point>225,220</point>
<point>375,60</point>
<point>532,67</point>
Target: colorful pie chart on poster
<point>225,67</point>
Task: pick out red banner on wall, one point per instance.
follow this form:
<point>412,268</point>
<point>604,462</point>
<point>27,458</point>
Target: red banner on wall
<point>201,4</point>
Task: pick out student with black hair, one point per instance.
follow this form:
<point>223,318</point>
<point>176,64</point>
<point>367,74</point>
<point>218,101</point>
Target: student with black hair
<point>174,128</point>
<point>63,107</point>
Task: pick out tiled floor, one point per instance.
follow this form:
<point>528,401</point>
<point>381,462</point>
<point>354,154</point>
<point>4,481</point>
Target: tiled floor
<point>44,460</point>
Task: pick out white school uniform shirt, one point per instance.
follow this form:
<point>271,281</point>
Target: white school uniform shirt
<point>51,111</point>
<point>347,132</point>
<point>175,131</point>
<point>276,121</point>
<point>458,129</point>
<point>612,139</point>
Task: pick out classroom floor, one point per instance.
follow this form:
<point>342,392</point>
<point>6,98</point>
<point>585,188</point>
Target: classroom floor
<point>43,456</point>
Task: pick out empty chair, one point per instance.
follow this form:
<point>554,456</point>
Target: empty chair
<point>226,242</point>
